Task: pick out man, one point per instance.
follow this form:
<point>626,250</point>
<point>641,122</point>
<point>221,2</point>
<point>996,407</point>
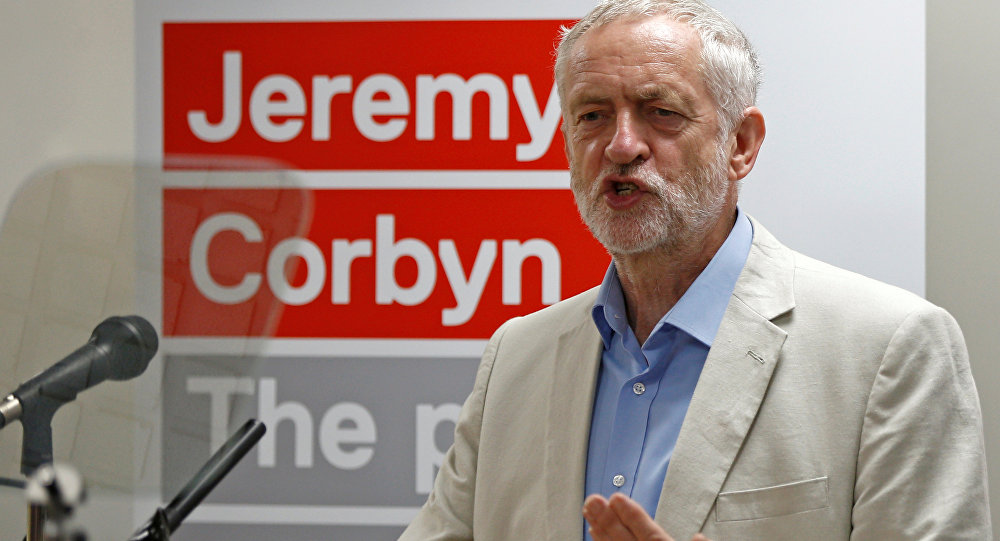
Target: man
<point>716,380</point>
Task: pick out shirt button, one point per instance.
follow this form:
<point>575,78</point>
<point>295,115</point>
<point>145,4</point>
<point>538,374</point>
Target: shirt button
<point>618,480</point>
<point>638,388</point>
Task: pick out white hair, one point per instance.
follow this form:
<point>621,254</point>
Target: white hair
<point>728,61</point>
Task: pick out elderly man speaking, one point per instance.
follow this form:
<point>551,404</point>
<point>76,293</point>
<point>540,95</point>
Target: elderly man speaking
<point>716,383</point>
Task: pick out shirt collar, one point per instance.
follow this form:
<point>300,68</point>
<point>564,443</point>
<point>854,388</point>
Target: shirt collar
<point>700,310</point>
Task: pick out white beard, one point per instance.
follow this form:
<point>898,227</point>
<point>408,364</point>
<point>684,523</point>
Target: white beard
<point>680,212</point>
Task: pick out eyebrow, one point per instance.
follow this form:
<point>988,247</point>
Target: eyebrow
<point>665,93</point>
<point>645,93</point>
<point>587,98</point>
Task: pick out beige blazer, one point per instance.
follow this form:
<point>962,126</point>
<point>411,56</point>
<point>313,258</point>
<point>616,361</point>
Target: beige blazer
<point>830,407</point>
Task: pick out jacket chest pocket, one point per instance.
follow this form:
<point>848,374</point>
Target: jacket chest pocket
<point>773,501</point>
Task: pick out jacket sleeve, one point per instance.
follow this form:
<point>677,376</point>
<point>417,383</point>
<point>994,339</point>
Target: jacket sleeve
<point>448,513</point>
<point>921,471</point>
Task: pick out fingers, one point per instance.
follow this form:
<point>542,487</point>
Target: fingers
<point>620,519</point>
<point>635,518</point>
<point>604,524</point>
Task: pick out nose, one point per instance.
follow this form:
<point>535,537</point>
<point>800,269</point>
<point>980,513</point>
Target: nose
<point>628,144</point>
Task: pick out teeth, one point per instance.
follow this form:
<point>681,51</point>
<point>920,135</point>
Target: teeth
<point>625,188</point>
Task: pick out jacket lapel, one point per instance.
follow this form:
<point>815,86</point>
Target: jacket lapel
<point>731,387</point>
<point>567,428</point>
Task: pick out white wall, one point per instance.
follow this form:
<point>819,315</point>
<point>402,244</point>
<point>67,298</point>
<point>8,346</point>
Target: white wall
<point>963,191</point>
<point>66,99</point>
<point>66,85</point>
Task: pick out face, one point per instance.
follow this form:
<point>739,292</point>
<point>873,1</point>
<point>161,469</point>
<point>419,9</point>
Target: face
<point>648,168</point>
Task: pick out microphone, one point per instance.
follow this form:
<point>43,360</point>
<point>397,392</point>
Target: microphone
<point>167,519</point>
<point>120,348</point>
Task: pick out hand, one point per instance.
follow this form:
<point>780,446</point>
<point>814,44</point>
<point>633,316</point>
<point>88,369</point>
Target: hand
<point>621,519</point>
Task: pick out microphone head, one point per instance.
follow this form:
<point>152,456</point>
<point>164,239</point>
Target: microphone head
<point>130,343</point>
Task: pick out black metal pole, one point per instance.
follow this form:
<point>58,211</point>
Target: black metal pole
<point>166,520</point>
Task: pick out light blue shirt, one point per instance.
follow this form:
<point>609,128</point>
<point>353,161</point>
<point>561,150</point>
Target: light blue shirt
<point>643,392</point>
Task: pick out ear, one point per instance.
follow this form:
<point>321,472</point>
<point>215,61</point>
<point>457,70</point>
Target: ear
<point>745,143</point>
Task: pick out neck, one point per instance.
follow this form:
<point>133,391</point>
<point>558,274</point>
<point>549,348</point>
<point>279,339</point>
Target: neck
<point>654,281</point>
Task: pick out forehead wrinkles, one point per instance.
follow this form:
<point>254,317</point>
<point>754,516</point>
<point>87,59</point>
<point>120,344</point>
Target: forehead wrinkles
<point>652,59</point>
<point>591,84</point>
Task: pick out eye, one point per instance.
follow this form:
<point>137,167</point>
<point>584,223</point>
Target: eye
<point>666,119</point>
<point>590,116</point>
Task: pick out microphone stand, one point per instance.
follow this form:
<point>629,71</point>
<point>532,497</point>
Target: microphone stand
<point>36,448</point>
<point>120,348</point>
<point>166,520</point>
<point>57,490</point>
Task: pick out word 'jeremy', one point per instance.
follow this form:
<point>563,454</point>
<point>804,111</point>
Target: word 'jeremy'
<point>381,107</point>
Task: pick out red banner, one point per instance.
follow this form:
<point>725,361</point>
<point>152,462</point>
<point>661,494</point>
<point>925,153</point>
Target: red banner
<point>368,263</point>
<point>413,95</point>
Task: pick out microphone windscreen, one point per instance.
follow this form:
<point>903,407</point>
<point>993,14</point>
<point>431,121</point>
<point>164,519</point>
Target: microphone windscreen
<point>130,343</point>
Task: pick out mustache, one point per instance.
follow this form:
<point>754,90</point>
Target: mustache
<point>651,180</point>
<point>623,169</point>
<point>632,169</point>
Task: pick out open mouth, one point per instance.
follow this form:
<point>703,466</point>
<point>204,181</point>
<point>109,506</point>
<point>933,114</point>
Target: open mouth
<point>625,188</point>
